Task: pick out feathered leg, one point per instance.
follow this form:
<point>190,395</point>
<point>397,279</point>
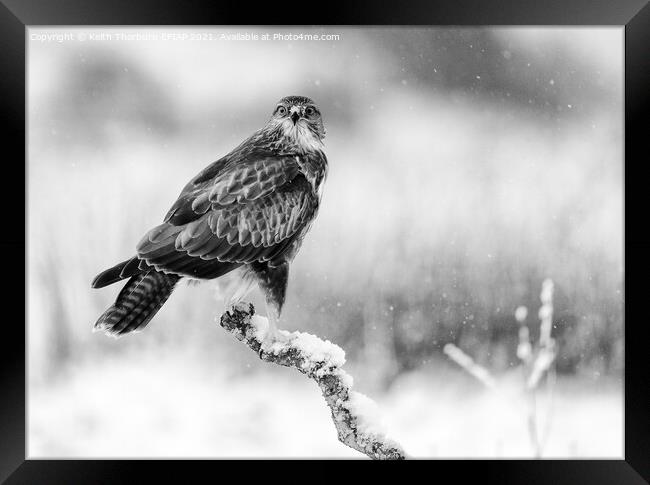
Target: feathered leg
<point>239,289</point>
<point>273,283</point>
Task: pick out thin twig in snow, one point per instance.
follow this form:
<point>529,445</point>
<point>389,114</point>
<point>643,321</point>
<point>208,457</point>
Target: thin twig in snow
<point>467,363</point>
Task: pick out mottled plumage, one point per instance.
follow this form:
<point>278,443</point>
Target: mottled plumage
<point>249,209</point>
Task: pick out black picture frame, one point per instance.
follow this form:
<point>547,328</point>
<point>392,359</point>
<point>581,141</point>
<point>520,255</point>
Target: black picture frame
<point>17,15</point>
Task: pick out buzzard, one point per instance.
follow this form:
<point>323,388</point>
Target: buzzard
<point>249,210</point>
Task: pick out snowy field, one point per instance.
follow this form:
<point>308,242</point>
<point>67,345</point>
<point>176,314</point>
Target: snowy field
<point>124,408</point>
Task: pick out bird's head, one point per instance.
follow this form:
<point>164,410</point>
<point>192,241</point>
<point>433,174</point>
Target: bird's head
<point>299,119</point>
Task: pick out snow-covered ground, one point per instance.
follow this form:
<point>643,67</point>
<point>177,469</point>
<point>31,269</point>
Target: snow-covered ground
<point>162,406</point>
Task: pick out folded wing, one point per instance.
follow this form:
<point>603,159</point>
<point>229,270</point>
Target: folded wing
<point>250,212</point>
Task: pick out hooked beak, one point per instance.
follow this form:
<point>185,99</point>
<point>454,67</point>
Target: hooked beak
<point>295,114</point>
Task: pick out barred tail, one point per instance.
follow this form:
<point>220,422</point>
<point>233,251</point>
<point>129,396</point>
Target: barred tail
<point>137,303</point>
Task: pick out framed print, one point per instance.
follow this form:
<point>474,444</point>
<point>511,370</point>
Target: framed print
<point>400,235</point>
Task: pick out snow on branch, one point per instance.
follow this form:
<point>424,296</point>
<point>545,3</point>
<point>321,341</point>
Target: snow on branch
<point>354,415</point>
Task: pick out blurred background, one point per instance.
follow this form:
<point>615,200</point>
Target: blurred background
<point>466,167</point>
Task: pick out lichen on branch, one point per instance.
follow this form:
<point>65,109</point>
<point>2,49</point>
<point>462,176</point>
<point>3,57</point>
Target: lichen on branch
<point>354,415</point>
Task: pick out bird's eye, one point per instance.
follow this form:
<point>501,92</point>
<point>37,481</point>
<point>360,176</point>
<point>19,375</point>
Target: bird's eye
<point>281,110</point>
<point>310,111</point>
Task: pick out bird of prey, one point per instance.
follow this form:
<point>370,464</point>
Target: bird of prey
<point>249,210</point>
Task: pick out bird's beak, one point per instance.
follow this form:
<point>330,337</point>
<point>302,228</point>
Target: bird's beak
<point>295,115</point>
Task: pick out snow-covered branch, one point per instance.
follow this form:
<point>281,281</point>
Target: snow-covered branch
<point>354,415</point>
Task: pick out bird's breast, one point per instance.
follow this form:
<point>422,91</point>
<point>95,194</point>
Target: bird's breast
<point>313,166</point>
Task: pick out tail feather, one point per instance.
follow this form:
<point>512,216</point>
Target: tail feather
<point>118,272</point>
<point>137,303</point>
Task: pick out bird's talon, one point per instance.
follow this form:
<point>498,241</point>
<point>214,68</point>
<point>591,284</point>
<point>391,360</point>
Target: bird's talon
<point>267,344</point>
<point>264,350</point>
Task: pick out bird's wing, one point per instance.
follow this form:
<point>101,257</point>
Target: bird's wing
<point>251,212</point>
<point>240,183</point>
